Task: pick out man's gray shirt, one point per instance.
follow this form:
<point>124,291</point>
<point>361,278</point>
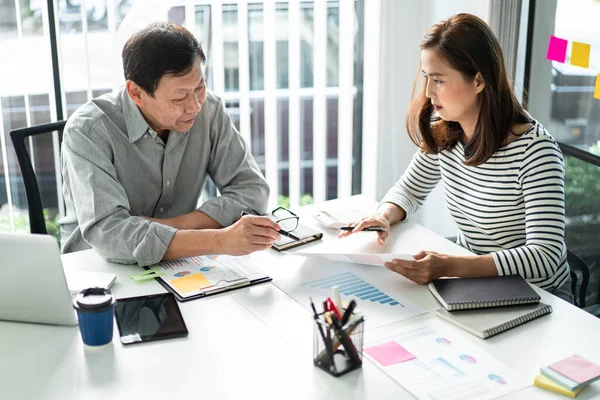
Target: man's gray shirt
<point>116,169</point>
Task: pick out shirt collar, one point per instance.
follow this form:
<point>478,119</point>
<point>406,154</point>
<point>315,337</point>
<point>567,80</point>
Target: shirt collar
<point>136,124</point>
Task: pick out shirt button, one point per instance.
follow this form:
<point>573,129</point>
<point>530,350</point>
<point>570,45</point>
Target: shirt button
<point>168,183</point>
<point>161,209</point>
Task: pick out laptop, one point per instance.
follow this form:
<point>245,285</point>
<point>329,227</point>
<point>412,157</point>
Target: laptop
<point>33,287</point>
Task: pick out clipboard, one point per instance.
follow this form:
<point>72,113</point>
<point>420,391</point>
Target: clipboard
<point>201,276</point>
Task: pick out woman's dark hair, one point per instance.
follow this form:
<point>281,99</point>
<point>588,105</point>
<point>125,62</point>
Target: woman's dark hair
<point>467,44</point>
<point>159,49</point>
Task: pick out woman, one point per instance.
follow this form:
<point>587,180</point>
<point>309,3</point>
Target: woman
<point>502,171</point>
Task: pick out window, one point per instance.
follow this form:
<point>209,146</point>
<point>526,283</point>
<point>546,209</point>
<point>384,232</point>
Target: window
<point>288,72</point>
<point>562,95</point>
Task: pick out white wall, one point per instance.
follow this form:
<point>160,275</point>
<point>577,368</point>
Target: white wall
<point>403,25</point>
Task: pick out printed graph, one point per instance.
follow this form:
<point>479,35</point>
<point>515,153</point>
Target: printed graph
<point>352,285</point>
<point>182,262</point>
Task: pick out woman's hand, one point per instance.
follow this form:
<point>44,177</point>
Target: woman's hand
<point>427,266</point>
<point>374,220</point>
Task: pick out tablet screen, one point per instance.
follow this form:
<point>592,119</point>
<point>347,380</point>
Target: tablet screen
<point>147,318</point>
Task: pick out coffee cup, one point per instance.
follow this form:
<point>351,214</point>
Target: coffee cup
<point>95,311</point>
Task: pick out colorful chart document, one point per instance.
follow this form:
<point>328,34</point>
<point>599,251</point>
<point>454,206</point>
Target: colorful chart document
<point>381,306</point>
<point>433,363</point>
<point>204,275</point>
<point>356,258</point>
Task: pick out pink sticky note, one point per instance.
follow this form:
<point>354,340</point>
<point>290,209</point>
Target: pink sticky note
<point>576,368</point>
<point>557,49</point>
<point>389,353</point>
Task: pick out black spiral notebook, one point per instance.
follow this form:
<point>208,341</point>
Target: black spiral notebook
<point>304,233</point>
<point>486,323</point>
<point>494,291</point>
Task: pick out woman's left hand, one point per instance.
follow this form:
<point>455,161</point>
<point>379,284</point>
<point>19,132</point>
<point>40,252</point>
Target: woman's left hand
<point>427,266</point>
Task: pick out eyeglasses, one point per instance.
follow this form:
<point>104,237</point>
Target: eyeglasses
<point>286,219</point>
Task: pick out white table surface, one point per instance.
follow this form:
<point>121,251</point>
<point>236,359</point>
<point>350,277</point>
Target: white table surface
<point>256,342</point>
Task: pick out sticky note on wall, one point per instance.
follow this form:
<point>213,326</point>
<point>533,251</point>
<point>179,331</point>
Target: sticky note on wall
<point>597,90</point>
<point>557,49</point>
<point>580,54</point>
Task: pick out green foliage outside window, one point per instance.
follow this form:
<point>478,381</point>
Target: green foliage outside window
<point>52,225</point>
<point>305,200</point>
<point>582,207</point>
<point>582,186</point>
<point>21,223</point>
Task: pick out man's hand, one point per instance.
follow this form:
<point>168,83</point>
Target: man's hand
<point>249,234</point>
<point>374,220</point>
<point>427,266</point>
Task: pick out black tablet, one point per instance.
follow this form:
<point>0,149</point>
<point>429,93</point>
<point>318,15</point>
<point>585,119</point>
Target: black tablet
<point>147,318</point>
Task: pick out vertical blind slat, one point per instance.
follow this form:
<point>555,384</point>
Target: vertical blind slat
<point>371,96</point>
<point>294,100</point>
<point>319,101</point>
<point>244,70</point>
<point>86,52</point>
<point>216,13</point>
<point>345,101</point>
<point>270,82</point>
<point>6,174</point>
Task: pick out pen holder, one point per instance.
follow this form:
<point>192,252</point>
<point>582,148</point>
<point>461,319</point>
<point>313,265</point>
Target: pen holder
<point>338,351</point>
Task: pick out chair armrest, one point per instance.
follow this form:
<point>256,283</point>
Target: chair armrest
<point>594,310</point>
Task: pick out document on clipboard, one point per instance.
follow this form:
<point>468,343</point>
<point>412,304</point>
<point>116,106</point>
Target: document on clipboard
<point>201,276</point>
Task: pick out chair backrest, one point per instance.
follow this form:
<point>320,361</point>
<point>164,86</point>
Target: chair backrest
<point>36,146</point>
<point>582,215</point>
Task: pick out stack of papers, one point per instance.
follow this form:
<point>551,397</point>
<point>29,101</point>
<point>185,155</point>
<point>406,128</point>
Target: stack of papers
<point>569,376</point>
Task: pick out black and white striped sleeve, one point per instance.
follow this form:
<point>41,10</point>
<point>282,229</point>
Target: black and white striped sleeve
<point>541,177</point>
<point>419,179</point>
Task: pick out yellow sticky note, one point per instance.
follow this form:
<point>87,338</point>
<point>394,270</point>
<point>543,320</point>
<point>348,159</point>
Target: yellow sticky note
<point>190,283</point>
<point>580,54</point>
<point>597,90</point>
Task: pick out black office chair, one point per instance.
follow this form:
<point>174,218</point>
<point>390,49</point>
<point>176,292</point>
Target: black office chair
<point>36,143</point>
<point>582,233</point>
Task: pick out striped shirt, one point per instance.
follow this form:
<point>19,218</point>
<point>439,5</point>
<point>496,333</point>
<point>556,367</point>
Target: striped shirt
<point>511,206</point>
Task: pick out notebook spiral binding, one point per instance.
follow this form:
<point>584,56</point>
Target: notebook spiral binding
<point>518,321</point>
<point>486,304</point>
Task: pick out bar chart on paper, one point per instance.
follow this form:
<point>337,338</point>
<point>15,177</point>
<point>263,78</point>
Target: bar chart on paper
<point>352,285</point>
<point>380,308</point>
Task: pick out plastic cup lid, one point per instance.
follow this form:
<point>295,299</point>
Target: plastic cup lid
<point>94,299</point>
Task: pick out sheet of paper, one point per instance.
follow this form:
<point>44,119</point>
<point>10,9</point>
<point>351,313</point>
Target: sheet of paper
<point>356,258</point>
<point>79,280</point>
<point>380,304</point>
<point>190,275</point>
<point>443,365</point>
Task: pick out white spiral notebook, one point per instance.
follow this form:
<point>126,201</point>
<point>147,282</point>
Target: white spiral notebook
<point>491,321</point>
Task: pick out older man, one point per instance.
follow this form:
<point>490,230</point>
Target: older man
<point>134,163</point>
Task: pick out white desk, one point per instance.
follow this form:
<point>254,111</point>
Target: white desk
<point>257,342</point>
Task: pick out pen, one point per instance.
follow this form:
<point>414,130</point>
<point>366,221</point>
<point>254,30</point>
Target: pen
<point>367,229</point>
<point>353,323</point>
<point>348,312</point>
<point>281,231</point>
<point>326,343</point>
<point>331,306</point>
<point>345,340</point>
